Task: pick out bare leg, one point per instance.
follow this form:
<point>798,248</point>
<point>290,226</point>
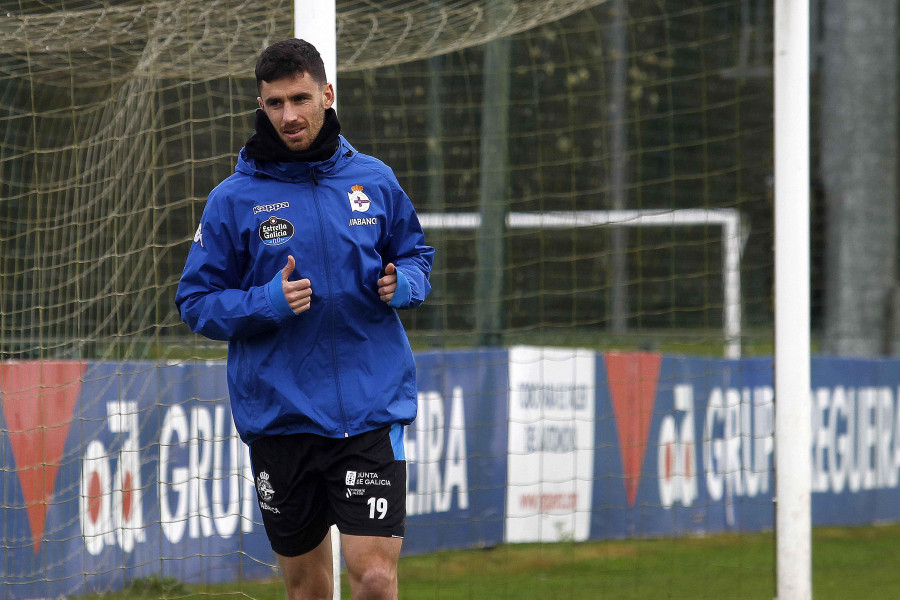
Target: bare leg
<point>309,576</point>
<point>372,566</point>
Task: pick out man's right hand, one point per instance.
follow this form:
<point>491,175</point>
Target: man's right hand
<point>297,293</point>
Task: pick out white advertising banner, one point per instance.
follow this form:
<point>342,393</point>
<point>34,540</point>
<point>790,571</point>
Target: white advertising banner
<point>551,444</point>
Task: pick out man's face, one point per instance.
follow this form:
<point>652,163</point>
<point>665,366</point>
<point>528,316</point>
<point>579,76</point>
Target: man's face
<point>296,107</point>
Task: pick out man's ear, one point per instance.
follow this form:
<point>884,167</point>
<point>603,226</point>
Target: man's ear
<point>328,90</point>
<point>259,99</point>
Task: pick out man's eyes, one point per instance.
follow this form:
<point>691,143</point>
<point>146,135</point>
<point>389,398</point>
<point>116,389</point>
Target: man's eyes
<point>297,100</point>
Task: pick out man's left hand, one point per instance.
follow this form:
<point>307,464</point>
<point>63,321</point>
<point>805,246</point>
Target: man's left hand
<point>387,285</point>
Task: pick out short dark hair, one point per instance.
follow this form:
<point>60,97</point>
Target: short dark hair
<point>287,58</point>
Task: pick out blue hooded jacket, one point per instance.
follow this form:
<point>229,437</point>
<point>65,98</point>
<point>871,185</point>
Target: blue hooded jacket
<point>344,366</point>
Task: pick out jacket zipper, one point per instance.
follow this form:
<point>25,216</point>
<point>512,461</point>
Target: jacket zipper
<point>334,357</point>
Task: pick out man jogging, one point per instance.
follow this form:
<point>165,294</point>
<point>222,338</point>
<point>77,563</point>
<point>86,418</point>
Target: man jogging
<point>300,260</point>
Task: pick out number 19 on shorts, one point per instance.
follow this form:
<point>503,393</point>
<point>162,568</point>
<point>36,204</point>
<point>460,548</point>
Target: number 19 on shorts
<point>378,505</point>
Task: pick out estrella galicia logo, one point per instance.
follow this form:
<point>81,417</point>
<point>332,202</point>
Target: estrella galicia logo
<point>264,488</point>
<point>275,230</point>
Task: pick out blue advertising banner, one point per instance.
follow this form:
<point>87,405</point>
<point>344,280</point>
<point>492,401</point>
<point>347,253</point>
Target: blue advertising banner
<point>856,441</point>
<point>694,441</point>
<point>120,470</point>
<point>456,452</point>
<point>147,477</point>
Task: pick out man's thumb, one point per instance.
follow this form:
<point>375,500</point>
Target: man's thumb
<point>390,269</point>
<point>288,268</point>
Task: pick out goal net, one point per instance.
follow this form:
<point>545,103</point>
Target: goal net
<point>593,174</point>
<point>119,119</point>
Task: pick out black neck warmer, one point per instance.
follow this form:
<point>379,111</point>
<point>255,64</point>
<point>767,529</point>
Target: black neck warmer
<point>265,145</point>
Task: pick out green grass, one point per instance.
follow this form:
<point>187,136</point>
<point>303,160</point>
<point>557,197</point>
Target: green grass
<point>847,563</point>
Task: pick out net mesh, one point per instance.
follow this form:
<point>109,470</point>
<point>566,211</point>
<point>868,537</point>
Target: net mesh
<point>118,119</point>
<point>103,42</point>
<point>591,173</point>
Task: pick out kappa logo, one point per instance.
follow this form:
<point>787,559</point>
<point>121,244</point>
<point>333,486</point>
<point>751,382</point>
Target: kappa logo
<point>264,488</point>
<point>270,207</point>
<point>198,236</point>
<point>359,202</point>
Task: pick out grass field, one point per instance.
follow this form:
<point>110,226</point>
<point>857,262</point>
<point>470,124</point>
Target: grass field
<point>848,563</point>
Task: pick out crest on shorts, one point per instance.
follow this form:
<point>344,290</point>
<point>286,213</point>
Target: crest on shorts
<point>264,488</point>
<point>359,202</point>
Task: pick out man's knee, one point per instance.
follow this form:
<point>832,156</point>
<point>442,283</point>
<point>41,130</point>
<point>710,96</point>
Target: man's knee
<point>378,582</point>
<point>309,576</point>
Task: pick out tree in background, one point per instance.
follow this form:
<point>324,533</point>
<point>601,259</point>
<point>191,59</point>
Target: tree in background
<point>859,173</point>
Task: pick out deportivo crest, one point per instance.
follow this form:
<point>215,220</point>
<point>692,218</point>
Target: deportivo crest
<point>264,488</point>
<point>275,231</point>
<point>359,202</point>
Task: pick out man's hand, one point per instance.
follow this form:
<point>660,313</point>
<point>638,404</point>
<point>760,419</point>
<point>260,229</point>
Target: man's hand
<point>387,285</point>
<point>297,293</point>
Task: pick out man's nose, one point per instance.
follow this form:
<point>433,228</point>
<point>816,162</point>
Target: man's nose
<point>291,113</point>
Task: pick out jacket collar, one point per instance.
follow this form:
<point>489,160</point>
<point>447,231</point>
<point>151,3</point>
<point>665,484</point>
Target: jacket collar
<point>296,171</point>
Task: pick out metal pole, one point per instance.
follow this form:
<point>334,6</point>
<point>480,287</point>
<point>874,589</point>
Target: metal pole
<point>792,271</point>
<point>493,185</point>
<point>435,199</point>
<point>618,117</point>
<point>316,22</point>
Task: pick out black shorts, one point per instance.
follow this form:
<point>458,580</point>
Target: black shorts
<point>305,483</point>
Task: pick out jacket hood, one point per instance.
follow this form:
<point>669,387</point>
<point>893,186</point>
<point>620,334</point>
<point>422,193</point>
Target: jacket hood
<point>296,171</point>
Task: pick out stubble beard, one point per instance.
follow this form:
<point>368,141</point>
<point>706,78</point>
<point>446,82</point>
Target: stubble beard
<point>309,136</point>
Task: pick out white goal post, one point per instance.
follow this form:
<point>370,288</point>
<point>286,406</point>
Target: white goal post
<point>316,22</point>
<point>793,429</point>
<point>729,219</point>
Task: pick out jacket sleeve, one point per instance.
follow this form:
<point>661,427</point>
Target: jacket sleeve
<point>211,297</point>
<point>409,252</point>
